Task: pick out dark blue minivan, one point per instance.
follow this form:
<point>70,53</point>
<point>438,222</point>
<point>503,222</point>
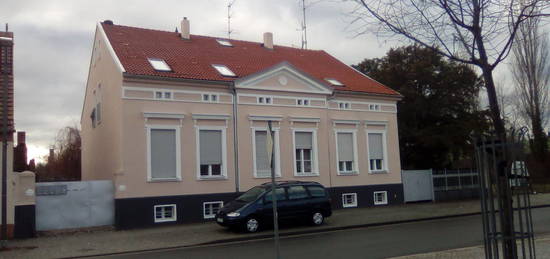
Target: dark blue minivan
<point>295,200</point>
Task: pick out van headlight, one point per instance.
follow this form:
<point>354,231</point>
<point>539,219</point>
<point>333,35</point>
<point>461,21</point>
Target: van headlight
<point>233,214</point>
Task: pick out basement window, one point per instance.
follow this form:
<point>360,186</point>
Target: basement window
<point>224,70</point>
<point>159,64</point>
<point>349,200</point>
<point>380,198</point>
<point>165,213</point>
<point>210,209</point>
<point>225,43</point>
<point>334,82</point>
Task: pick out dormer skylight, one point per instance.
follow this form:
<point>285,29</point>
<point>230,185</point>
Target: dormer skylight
<point>334,82</point>
<point>159,64</point>
<point>224,42</point>
<point>223,70</point>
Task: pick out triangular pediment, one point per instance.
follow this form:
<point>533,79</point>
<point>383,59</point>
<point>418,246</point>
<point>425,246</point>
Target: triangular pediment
<point>283,77</point>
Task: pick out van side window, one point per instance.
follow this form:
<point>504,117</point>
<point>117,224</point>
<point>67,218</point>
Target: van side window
<point>279,193</point>
<point>296,192</point>
<point>316,191</point>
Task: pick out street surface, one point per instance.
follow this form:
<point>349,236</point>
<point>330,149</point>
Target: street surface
<point>372,242</point>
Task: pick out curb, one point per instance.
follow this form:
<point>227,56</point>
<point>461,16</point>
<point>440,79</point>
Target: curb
<point>289,234</point>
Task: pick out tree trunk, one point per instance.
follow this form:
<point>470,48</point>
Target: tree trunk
<point>498,123</point>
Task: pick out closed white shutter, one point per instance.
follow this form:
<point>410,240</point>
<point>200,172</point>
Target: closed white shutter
<point>304,140</point>
<point>345,146</point>
<point>262,161</point>
<point>376,146</point>
<point>210,147</point>
<point>163,153</point>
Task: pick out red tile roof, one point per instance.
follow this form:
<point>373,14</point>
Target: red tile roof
<point>192,59</point>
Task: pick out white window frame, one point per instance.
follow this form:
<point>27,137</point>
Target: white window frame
<point>344,105</point>
<point>303,101</point>
<point>264,100</point>
<point>204,204</point>
<point>350,205</point>
<point>210,98</point>
<point>384,146</point>
<point>355,156</point>
<point>314,152</point>
<point>374,107</point>
<point>223,129</point>
<point>177,128</point>
<point>160,66</point>
<point>334,81</point>
<point>224,42</point>
<point>163,95</point>
<point>277,152</point>
<point>384,202</point>
<point>163,219</point>
<point>224,70</point>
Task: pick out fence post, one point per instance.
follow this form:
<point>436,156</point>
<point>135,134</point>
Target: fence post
<point>446,185</point>
<point>459,174</point>
<point>472,176</point>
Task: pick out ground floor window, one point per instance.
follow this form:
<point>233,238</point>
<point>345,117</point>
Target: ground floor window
<point>380,198</point>
<point>165,213</point>
<point>211,208</point>
<point>349,200</point>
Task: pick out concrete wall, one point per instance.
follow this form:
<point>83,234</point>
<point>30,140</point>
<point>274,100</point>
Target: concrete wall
<point>10,187</point>
<point>62,205</point>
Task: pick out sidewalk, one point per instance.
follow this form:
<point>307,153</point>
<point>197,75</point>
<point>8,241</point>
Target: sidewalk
<point>542,246</point>
<point>105,241</point>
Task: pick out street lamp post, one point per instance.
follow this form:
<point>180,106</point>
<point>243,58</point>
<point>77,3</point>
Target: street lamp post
<point>271,155</point>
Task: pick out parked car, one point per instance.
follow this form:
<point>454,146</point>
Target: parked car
<point>295,200</point>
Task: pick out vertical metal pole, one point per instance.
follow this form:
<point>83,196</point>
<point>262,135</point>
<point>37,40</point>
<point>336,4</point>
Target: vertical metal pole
<point>273,196</point>
<point>446,185</point>
<point>5,78</point>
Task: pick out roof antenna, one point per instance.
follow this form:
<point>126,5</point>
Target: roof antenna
<point>304,29</point>
<point>6,27</point>
<point>176,29</point>
<point>229,15</point>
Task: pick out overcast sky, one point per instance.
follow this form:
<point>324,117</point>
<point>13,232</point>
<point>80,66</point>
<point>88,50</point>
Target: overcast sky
<point>53,41</point>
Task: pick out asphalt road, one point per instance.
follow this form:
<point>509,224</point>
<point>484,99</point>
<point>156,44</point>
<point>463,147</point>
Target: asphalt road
<point>372,242</point>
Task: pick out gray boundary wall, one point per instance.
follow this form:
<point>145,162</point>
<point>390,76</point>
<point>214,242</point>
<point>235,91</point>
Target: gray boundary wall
<point>418,185</point>
<point>63,205</point>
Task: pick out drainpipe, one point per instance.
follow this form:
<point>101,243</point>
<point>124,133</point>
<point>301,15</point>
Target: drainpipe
<point>235,137</point>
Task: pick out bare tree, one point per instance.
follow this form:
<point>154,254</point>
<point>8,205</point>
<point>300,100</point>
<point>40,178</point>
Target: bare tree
<point>64,164</point>
<point>477,32</point>
<point>530,68</point>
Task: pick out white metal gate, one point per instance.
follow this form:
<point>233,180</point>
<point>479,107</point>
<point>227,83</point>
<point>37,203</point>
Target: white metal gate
<point>61,205</point>
<point>417,185</point>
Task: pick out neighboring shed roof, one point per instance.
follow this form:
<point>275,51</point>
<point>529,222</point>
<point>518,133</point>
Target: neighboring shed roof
<point>193,59</point>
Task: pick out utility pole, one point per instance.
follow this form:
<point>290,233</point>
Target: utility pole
<point>271,155</point>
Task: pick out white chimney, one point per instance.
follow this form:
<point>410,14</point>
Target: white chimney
<point>268,40</point>
<point>185,29</point>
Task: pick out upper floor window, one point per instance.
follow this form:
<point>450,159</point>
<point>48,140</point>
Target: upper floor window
<point>224,70</point>
<point>374,107</point>
<point>344,105</point>
<point>163,95</point>
<point>211,153</point>
<point>376,150</point>
<point>159,64</point>
<point>214,98</point>
<point>163,149</point>
<point>302,102</point>
<point>264,100</point>
<point>346,152</point>
<point>261,160</point>
<point>305,153</point>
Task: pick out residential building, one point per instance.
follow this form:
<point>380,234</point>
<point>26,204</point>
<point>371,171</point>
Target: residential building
<point>178,122</point>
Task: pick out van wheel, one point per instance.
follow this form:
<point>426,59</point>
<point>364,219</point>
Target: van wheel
<point>251,225</point>
<point>317,218</point>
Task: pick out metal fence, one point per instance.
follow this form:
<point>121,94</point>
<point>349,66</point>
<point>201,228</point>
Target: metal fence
<point>455,184</point>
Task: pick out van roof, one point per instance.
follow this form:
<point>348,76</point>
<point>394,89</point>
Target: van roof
<point>284,183</point>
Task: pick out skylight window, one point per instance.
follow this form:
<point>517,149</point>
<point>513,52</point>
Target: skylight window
<point>333,81</point>
<point>159,64</point>
<point>224,42</point>
<point>224,71</point>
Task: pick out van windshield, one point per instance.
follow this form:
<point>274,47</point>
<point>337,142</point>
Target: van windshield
<point>251,194</point>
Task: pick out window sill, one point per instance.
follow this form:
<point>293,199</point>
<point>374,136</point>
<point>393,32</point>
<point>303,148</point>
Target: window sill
<point>377,204</point>
<point>306,175</point>
<point>379,172</point>
<point>350,173</point>
<point>349,206</point>
<point>164,180</point>
<point>212,178</point>
<point>164,220</point>
<point>266,177</point>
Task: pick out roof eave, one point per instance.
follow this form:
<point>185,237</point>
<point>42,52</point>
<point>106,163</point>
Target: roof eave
<point>397,97</point>
<point>127,75</point>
